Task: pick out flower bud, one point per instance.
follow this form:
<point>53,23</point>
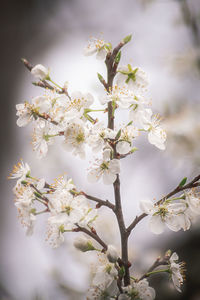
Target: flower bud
<point>40,72</point>
<point>112,254</point>
<point>83,244</point>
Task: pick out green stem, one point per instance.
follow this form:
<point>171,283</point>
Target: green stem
<point>55,84</point>
<point>157,271</point>
<point>41,212</point>
<point>177,198</point>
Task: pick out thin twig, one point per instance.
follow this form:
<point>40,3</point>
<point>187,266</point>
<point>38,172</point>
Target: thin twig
<point>99,201</point>
<point>92,234</point>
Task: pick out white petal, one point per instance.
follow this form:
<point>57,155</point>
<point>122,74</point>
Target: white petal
<point>156,224</point>
<point>108,177</point>
<point>114,166</point>
<point>123,147</point>
<point>94,175</point>
<point>147,207</point>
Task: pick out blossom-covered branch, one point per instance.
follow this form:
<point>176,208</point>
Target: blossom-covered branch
<point>192,184</point>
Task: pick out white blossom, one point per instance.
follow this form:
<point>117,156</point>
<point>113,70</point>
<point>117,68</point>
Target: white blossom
<point>104,284</point>
<point>20,171</point>
<point>171,214</point>
<point>98,135</point>
<point>138,290</point>
<point>24,204</point>
<point>24,114</point>
<point>106,168</point>
<point>136,79</point>
<point>40,72</point>
<point>75,138</point>
<point>97,46</point>
<point>192,198</point>
<point>42,137</point>
<point>42,104</point>
<point>177,271</point>
<point>120,95</point>
<point>55,235</point>
<point>124,144</point>
<point>156,135</point>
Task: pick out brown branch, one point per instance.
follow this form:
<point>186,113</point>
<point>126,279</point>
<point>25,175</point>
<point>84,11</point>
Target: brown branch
<point>99,201</point>
<point>111,65</point>
<point>44,83</point>
<point>92,234</point>
<point>178,189</point>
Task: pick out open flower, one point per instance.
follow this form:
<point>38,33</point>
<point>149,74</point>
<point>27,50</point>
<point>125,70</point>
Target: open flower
<point>24,114</point>
<point>120,95</point>
<point>98,136</point>
<point>20,171</point>
<point>171,214</point>
<point>42,137</point>
<point>156,135</point>
<point>24,204</point>
<point>124,144</point>
<point>75,138</point>
<point>97,46</point>
<point>104,284</point>
<point>138,290</point>
<point>136,79</point>
<point>177,271</point>
<point>106,168</point>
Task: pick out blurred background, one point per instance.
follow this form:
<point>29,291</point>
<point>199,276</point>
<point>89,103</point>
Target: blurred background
<point>166,44</point>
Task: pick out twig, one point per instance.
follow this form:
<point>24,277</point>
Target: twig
<point>178,189</point>
<point>92,234</point>
<point>156,264</point>
<point>99,201</point>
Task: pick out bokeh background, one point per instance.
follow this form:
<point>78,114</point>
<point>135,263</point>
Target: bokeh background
<point>166,41</point>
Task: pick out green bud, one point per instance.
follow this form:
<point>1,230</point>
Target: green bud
<point>118,57</point>
<point>130,123</point>
<point>33,211</point>
<point>127,39</point>
<point>168,253</point>
<point>183,182</point>
<point>101,79</point>
<point>24,182</point>
<point>122,272</point>
<point>134,149</point>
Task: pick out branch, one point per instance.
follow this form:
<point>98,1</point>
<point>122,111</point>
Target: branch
<point>156,264</point>
<point>44,83</point>
<point>99,201</point>
<point>92,234</point>
<point>178,189</point>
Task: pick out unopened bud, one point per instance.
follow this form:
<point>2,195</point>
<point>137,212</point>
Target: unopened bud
<point>40,72</point>
<point>83,244</point>
<point>112,254</point>
<point>127,39</point>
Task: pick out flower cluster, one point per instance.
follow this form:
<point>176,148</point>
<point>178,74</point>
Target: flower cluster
<point>66,207</point>
<point>176,213</point>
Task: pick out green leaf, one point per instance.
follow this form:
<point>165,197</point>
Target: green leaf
<point>127,39</point>
<point>183,182</point>
<point>118,134</point>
